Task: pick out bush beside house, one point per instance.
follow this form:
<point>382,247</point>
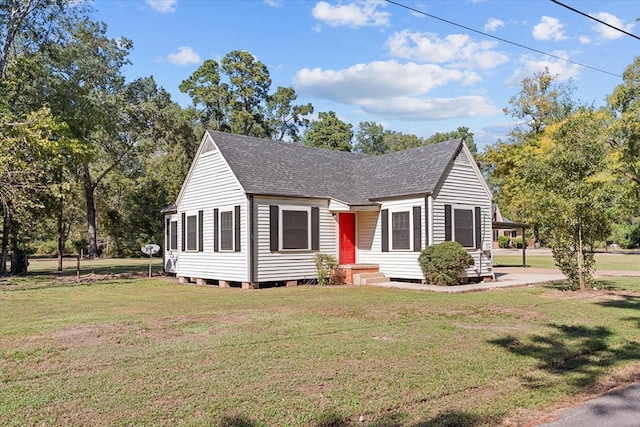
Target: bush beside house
<point>444,263</point>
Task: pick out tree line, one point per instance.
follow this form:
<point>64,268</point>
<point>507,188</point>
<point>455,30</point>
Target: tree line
<point>89,159</point>
<point>571,170</point>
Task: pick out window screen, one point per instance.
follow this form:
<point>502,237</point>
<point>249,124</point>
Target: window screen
<point>295,229</point>
<point>463,227</point>
<point>226,231</point>
<point>173,236</point>
<point>192,233</point>
<point>400,230</point>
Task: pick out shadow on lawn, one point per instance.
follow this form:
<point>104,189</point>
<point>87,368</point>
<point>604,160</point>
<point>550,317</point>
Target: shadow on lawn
<point>580,352</point>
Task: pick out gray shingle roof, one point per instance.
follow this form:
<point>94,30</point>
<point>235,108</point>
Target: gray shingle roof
<point>278,168</point>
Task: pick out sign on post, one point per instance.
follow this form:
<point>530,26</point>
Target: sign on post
<point>150,249</point>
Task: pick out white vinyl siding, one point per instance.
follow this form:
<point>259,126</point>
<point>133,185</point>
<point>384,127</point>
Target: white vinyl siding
<point>463,189</point>
<point>212,185</point>
<point>395,263</point>
<point>291,264</point>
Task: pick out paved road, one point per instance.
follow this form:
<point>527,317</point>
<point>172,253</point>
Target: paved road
<point>620,408</point>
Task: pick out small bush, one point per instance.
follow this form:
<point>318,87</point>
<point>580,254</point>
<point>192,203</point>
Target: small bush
<point>443,263</point>
<point>518,242</point>
<point>328,271</point>
<point>503,242</point>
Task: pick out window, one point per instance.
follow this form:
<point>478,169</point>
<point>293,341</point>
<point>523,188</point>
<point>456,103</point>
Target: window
<point>226,231</point>
<point>295,229</point>
<point>463,227</point>
<point>400,229</point>
<point>192,233</point>
<point>173,236</point>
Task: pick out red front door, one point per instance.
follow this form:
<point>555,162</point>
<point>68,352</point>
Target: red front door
<point>347,232</point>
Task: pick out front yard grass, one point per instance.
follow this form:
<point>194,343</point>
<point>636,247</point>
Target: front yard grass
<point>153,352</point>
<point>629,261</point>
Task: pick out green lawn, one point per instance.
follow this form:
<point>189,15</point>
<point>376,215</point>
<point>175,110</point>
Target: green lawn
<point>604,261</point>
<point>153,352</point>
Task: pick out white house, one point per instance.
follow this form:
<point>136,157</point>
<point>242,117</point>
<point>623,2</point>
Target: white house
<point>255,211</point>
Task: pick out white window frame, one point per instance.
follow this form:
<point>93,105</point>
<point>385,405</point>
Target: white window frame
<point>233,229</point>
<point>470,208</point>
<point>283,208</point>
<point>409,210</point>
<point>391,211</point>
<point>186,230</point>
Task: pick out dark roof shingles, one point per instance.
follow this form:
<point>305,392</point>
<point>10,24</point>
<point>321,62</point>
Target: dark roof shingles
<point>278,168</point>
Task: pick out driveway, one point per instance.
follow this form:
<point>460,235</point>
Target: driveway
<point>620,408</point>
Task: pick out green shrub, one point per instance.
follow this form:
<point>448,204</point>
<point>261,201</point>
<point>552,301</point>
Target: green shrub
<point>503,242</point>
<point>327,269</point>
<point>442,264</point>
<point>626,235</point>
<point>517,242</point>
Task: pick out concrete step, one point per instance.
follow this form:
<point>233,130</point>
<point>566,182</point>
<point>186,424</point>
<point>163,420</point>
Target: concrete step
<point>372,280</point>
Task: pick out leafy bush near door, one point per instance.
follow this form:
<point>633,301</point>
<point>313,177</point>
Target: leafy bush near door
<point>328,271</point>
<point>443,264</point>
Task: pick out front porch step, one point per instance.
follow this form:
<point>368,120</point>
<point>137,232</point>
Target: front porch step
<point>369,278</point>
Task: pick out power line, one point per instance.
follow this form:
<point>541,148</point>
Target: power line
<point>501,39</point>
<point>596,19</point>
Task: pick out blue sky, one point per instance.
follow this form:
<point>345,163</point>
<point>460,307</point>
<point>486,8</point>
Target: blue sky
<point>370,60</point>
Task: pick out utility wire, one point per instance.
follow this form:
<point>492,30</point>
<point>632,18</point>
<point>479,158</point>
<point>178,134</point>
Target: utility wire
<point>501,39</point>
<point>595,19</point>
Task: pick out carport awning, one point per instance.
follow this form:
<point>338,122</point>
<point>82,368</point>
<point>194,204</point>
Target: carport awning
<point>497,225</point>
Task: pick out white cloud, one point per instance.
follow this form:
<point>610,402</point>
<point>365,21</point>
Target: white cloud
<point>274,3</point>
<point>549,29</point>
<point>492,25</point>
<point>163,6</point>
<point>417,108</point>
<point>455,49</point>
<point>359,13</point>
<point>584,39</point>
<point>370,87</point>
<point>185,56</point>
<point>564,70</point>
<point>608,32</point>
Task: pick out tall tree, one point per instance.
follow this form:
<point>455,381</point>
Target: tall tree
<point>329,132</point>
<point>570,180</point>
<point>233,96</point>
<point>461,132</point>
<point>542,101</point>
<point>625,132</point>
<point>206,90</point>
<point>249,87</point>
<point>87,87</point>
<point>370,139</point>
<point>284,118</point>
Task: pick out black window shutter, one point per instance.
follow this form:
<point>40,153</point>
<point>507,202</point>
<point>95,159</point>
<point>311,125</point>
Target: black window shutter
<point>273,228</point>
<point>200,231</point>
<point>417,229</point>
<point>385,230</point>
<point>236,247</point>
<point>478,225</point>
<point>184,231</point>
<point>447,222</point>
<point>168,238</point>
<point>315,229</point>
<point>426,221</point>
<point>216,242</point>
